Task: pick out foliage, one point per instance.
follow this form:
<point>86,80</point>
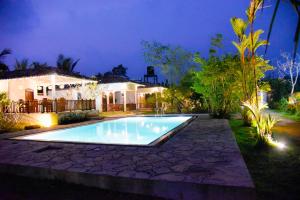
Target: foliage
<point>173,61</point>
<point>289,67</point>
<point>9,122</point>
<point>263,124</point>
<point>3,54</point>
<point>38,65</point>
<point>279,90</point>
<point>273,171</point>
<point>66,63</point>
<point>182,97</point>
<point>247,46</point>
<point>283,104</point>
<point>4,101</point>
<point>219,84</point>
<point>72,117</point>
<point>21,65</point>
<point>120,70</point>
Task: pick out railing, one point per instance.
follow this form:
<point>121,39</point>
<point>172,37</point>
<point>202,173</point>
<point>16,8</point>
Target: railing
<point>46,105</point>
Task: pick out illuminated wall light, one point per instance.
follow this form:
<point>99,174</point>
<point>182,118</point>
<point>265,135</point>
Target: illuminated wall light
<point>45,120</point>
<point>62,86</point>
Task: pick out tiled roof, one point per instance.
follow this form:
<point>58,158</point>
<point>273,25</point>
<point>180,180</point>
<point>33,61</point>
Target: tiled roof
<point>39,72</point>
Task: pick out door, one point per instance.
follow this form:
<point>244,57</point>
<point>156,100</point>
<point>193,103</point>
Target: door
<point>29,96</point>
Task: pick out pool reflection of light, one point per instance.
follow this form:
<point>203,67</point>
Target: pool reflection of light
<point>131,130</point>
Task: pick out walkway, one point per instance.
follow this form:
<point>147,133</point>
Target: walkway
<point>202,161</point>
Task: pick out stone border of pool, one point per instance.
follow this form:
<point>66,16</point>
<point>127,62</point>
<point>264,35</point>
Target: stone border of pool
<point>201,161</point>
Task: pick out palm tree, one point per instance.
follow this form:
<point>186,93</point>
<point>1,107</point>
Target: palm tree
<point>66,63</point>
<point>3,54</point>
<point>21,65</point>
<point>38,65</point>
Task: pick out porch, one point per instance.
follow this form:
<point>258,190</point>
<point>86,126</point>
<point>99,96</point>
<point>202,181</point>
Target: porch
<point>47,106</point>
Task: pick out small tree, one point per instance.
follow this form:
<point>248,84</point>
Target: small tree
<point>289,68</point>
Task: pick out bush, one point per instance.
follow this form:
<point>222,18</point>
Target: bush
<point>69,118</point>
<point>283,104</point>
<point>10,122</point>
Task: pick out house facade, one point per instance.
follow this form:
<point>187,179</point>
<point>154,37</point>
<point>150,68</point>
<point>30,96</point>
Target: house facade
<point>54,90</point>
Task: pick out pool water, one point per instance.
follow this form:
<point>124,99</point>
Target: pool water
<point>126,131</point>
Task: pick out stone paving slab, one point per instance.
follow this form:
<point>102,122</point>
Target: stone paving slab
<point>201,161</point>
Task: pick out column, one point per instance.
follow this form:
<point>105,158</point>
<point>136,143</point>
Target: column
<point>53,83</point>
<point>107,101</point>
<point>98,100</point>
<point>44,91</point>
<point>124,100</point>
<point>136,99</point>
<point>114,97</point>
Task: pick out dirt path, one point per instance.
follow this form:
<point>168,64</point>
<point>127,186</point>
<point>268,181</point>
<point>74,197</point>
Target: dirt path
<point>286,126</point>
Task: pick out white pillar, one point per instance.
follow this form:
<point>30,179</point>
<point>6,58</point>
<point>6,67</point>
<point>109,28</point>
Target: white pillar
<point>53,83</point>
<point>98,100</point>
<point>107,101</point>
<point>114,97</point>
<point>82,89</point>
<point>136,99</point>
<point>44,91</point>
<point>124,100</point>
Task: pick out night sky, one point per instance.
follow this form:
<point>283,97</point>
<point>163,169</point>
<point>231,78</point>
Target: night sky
<point>105,33</point>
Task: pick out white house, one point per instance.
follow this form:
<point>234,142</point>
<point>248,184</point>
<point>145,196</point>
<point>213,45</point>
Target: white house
<point>53,90</point>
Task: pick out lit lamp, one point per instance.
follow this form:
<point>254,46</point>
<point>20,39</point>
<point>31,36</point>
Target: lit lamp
<point>62,86</point>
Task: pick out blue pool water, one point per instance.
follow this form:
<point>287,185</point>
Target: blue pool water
<point>127,131</point>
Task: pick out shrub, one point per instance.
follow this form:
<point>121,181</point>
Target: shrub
<point>69,118</point>
<point>291,108</point>
<point>283,104</point>
<point>10,122</point>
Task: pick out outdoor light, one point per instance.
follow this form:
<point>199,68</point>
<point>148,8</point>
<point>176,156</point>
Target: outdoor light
<point>50,87</point>
<point>62,86</point>
<point>45,120</point>
<point>281,145</point>
<point>40,87</point>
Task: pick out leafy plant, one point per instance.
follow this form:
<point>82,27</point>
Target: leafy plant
<point>72,117</point>
<point>219,84</point>
<point>66,63</point>
<point>263,124</point>
<point>3,54</point>
<point>10,122</point>
<point>283,105</point>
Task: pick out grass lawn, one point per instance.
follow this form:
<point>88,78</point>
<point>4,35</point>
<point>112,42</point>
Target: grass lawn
<point>288,115</point>
<point>276,173</point>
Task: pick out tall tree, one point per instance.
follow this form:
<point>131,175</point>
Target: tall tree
<point>120,70</point>
<point>3,54</point>
<point>173,61</point>
<point>21,65</point>
<point>66,63</point>
<point>247,46</point>
<point>289,67</point>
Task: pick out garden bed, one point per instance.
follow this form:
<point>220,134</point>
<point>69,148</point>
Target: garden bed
<point>275,172</point>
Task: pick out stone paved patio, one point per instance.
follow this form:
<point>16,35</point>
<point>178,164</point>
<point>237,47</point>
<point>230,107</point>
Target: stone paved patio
<point>201,161</point>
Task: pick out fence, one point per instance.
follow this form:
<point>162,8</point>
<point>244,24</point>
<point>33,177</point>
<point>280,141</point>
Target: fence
<point>46,105</point>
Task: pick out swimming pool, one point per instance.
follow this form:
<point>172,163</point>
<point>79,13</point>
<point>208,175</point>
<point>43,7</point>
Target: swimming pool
<point>124,131</point>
